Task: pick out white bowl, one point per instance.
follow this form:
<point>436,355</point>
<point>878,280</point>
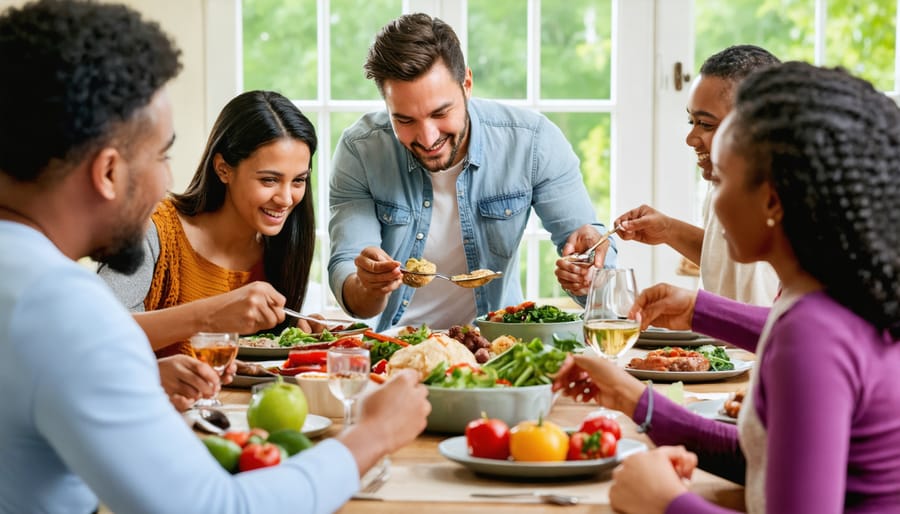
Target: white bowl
<point>318,395</point>
<point>528,331</point>
<point>452,409</point>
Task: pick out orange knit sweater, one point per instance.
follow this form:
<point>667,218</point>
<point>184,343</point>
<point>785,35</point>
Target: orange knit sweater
<point>182,275</point>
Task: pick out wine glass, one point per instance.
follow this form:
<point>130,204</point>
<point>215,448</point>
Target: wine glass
<point>348,375</point>
<point>607,329</point>
<point>218,349</point>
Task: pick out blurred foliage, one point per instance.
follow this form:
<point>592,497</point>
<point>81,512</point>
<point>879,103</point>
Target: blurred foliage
<point>859,36</point>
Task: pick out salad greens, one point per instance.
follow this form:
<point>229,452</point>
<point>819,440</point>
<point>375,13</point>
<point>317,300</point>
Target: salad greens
<point>543,314</point>
<point>461,376</point>
<point>718,359</point>
<point>527,364</point>
<point>567,345</point>
<point>384,349</point>
<point>293,336</point>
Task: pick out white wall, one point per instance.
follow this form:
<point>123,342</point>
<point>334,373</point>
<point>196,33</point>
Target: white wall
<point>184,21</point>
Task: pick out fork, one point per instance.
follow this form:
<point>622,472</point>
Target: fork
<point>586,255</point>
<point>327,323</point>
<point>551,498</point>
<point>374,485</point>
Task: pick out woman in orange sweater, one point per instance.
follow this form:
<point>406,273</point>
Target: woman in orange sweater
<point>236,247</point>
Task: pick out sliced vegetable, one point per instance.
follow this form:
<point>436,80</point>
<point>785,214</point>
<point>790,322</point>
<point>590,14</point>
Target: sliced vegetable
<point>384,338</point>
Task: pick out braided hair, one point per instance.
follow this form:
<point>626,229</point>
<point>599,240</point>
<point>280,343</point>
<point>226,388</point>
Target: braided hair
<point>829,143</point>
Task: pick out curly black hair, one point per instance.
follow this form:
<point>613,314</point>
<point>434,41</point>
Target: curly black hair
<point>249,121</point>
<point>830,145</point>
<point>407,47</point>
<point>75,73</point>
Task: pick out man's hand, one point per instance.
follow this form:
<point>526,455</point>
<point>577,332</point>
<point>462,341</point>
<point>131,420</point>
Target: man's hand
<point>576,277</point>
<point>377,271</point>
<point>186,380</point>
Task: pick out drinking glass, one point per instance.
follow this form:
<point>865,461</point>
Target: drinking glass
<point>218,349</point>
<point>607,329</point>
<point>348,375</point>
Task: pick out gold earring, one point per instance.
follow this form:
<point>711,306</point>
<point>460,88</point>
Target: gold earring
<point>770,222</point>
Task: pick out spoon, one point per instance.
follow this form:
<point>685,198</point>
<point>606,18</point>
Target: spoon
<point>468,280</point>
<point>208,420</point>
<point>551,498</point>
<point>586,255</point>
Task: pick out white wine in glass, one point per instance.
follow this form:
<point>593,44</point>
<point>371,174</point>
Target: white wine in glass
<point>607,329</point>
<point>348,375</point>
<point>218,349</point>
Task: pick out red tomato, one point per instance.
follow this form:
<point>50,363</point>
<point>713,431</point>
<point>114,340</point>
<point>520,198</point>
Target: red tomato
<point>608,444</point>
<point>380,366</point>
<point>488,438</point>
<point>240,438</point>
<point>601,423</point>
<point>256,456</point>
<point>583,446</point>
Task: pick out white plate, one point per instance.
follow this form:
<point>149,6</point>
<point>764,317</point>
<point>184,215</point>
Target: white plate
<point>654,342</point>
<point>237,415</point>
<point>248,381</point>
<point>283,351</point>
<point>669,335</point>
<point>740,367</point>
<point>455,449</point>
<point>711,409</point>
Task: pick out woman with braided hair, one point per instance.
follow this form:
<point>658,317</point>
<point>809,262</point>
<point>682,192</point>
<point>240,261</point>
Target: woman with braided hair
<point>808,173</point>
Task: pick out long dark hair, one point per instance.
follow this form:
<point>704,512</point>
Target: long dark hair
<point>829,143</point>
<point>247,122</point>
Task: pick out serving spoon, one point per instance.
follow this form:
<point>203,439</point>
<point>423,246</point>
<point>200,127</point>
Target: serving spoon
<point>467,280</point>
<point>585,256</point>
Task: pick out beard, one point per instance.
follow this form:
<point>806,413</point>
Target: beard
<point>456,141</point>
<point>124,255</point>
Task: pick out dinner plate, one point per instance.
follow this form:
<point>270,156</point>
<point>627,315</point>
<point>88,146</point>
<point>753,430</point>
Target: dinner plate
<point>669,335</point>
<point>282,352</point>
<point>455,449</point>
<point>740,367</point>
<point>711,409</point>
<point>237,414</point>
<point>248,381</point>
<point>655,342</point>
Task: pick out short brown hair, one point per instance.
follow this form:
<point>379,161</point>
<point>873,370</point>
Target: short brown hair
<point>409,46</point>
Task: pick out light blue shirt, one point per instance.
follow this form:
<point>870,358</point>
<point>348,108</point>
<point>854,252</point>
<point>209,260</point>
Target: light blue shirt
<point>517,159</point>
<point>84,415</point>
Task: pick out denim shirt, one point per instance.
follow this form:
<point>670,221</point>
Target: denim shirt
<point>517,160</point>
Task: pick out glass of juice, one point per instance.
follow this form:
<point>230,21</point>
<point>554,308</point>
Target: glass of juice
<point>218,349</point>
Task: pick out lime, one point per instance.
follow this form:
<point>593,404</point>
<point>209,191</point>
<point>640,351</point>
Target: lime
<point>226,452</point>
<point>291,440</point>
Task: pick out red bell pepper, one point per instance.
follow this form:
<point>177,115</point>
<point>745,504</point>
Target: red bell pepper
<point>305,357</point>
<point>288,372</point>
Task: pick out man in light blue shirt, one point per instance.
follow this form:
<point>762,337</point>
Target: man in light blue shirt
<point>448,178</point>
<point>86,124</point>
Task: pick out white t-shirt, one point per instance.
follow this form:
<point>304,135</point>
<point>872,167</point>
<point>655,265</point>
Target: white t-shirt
<point>442,304</point>
<point>754,282</point>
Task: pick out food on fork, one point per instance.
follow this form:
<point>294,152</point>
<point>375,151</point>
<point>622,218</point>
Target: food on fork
<point>671,359</point>
<point>419,266</point>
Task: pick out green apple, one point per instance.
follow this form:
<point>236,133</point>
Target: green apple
<point>277,407</point>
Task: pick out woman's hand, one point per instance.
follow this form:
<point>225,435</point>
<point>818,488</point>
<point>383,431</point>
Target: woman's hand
<point>646,483</point>
<point>587,378</point>
<point>665,305</point>
<point>246,310</point>
<point>644,224</point>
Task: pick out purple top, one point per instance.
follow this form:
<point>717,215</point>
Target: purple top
<point>828,397</point>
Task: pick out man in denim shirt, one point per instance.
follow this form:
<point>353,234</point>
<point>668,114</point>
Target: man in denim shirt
<point>450,179</point>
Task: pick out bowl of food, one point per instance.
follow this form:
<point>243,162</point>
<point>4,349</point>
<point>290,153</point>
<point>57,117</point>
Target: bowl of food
<point>528,321</point>
<point>452,409</point>
<point>318,396</point>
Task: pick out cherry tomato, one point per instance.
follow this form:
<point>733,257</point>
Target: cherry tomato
<point>608,444</point>
<point>488,438</point>
<point>538,441</point>
<point>256,456</point>
<point>583,446</point>
<point>601,423</point>
<point>380,366</point>
<point>241,438</point>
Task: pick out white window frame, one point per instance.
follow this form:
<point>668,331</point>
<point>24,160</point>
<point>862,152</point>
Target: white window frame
<point>631,107</point>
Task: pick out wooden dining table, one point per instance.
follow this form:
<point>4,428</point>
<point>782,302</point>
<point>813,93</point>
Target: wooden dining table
<point>423,452</point>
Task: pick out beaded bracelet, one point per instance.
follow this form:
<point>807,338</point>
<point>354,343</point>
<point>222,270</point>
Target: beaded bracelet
<point>644,427</point>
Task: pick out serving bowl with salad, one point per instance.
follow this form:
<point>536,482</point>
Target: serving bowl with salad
<point>528,321</point>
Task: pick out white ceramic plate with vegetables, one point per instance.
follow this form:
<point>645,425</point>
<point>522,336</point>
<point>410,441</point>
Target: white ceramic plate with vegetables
<point>740,367</point>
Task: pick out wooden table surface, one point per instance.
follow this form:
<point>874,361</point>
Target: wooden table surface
<point>565,413</point>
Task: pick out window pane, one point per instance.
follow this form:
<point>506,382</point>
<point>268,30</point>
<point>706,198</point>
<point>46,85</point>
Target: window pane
<point>280,47</point>
<point>784,27</point>
<point>860,36</point>
<point>589,135</point>
<point>576,46</point>
<point>498,47</point>
<point>353,28</point>
<point>548,286</point>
